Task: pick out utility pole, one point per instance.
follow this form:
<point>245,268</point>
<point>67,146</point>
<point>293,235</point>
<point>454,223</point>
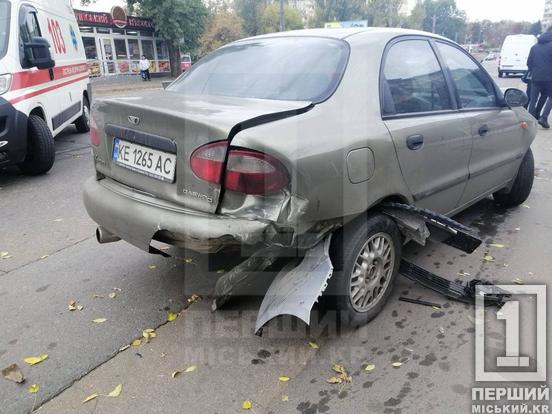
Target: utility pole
<point>282,17</point>
<point>434,22</point>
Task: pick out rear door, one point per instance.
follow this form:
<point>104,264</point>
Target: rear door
<point>433,141</point>
<point>496,131</point>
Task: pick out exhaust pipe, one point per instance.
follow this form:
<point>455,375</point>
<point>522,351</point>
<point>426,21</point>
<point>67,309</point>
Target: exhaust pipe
<point>103,236</point>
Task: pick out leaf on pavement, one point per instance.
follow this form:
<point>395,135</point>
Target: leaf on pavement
<point>489,258</point>
<point>497,245</point>
<point>194,298</point>
<point>13,373</point>
<point>190,369</point>
<point>34,388</point>
<point>4,254</point>
<point>340,369</point>
<point>285,398</point>
<point>112,295</point>
<point>370,367</point>
<point>99,320</point>
<point>396,364</point>
<point>313,345</point>
<point>334,380</point>
<point>171,316</point>
<point>44,257</point>
<point>247,405</point>
<point>283,378</point>
<point>176,374</point>
<point>152,267</point>
<point>74,305</point>
<point>136,342</point>
<point>35,360</point>
<point>116,391</point>
<point>90,398</point>
<point>518,281</point>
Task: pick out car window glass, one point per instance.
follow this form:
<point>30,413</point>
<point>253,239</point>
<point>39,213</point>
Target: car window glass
<point>473,85</point>
<point>30,27</point>
<point>413,80</point>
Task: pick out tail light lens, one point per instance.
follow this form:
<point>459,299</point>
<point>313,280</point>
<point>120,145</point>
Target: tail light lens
<point>247,171</point>
<point>94,133</point>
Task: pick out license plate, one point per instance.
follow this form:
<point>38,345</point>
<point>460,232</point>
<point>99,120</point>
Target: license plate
<point>153,163</point>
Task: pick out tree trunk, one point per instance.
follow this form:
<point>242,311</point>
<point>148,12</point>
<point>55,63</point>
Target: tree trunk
<point>175,58</point>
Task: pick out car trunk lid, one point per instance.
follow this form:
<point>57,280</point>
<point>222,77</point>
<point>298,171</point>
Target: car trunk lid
<point>175,123</point>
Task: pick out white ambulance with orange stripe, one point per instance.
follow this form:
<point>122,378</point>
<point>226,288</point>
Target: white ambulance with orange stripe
<point>44,83</point>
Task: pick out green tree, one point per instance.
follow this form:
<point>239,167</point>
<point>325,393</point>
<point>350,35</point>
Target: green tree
<point>270,20</point>
<point>223,28</point>
<point>339,10</point>
<point>444,18</point>
<point>384,13</point>
<point>180,22</point>
<point>417,16</point>
<point>250,12</point>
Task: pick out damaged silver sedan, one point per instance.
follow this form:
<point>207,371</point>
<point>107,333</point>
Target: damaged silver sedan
<point>299,142</point>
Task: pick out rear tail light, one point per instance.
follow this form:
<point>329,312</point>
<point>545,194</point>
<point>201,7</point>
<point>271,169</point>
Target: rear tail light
<point>94,133</point>
<point>247,171</point>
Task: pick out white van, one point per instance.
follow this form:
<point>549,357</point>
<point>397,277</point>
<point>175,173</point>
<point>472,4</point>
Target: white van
<point>514,54</point>
<point>44,83</point>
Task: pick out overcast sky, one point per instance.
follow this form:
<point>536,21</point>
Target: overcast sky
<point>531,10</point>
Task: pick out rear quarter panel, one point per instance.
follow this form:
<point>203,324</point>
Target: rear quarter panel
<point>314,146</point>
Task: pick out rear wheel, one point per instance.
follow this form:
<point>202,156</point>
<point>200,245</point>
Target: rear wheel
<point>41,152</point>
<point>83,122</point>
<point>523,184</point>
<point>366,258</point>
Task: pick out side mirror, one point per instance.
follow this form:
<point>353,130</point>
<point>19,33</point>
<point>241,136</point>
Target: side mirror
<point>515,98</point>
<point>166,84</point>
<point>38,53</point>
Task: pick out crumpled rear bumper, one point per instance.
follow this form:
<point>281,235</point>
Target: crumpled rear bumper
<point>137,218</point>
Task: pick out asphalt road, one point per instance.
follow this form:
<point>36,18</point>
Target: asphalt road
<point>54,259</point>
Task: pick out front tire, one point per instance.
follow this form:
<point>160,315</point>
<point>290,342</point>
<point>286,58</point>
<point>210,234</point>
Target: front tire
<point>83,122</point>
<point>41,152</point>
<point>366,256</point>
<point>523,184</point>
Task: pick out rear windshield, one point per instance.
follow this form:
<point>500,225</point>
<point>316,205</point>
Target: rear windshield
<point>4,26</point>
<point>286,68</point>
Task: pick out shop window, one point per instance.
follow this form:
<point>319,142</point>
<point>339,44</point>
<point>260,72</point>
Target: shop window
<point>132,33</point>
<point>90,47</point>
<point>120,49</point>
<point>134,49</point>
<point>147,49</point>
<point>162,51</point>
<point>146,34</point>
<point>118,31</point>
<point>86,29</point>
<point>103,30</point>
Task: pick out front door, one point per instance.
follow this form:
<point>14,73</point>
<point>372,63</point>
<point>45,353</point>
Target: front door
<point>108,55</point>
<point>496,130</point>
<point>433,141</point>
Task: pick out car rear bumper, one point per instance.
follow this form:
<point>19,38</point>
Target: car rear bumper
<point>138,219</point>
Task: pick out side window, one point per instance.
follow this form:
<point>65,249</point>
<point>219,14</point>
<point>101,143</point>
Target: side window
<point>413,80</point>
<point>30,27</point>
<point>473,85</point>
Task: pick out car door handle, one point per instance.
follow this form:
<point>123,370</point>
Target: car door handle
<point>483,130</point>
<point>415,142</point>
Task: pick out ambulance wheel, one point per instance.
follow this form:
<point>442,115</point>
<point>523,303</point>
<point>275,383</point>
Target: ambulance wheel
<point>41,152</point>
<point>83,122</point>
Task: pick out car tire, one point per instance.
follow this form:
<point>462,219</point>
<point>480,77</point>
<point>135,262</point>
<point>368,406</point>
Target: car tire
<point>523,184</point>
<point>41,152</point>
<point>83,122</point>
<point>375,272</point>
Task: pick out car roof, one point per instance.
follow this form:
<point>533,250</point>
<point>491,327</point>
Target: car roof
<point>344,34</point>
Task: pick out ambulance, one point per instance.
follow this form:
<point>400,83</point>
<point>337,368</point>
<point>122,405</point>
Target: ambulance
<point>44,82</point>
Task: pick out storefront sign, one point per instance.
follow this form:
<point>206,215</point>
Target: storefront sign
<point>116,19</point>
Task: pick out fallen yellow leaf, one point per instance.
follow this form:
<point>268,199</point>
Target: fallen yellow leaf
<point>340,369</point>
<point>313,345</point>
<point>334,380</point>
<point>194,298</point>
<point>370,367</point>
<point>285,398</point>
<point>188,260</point>
<point>396,364</point>
<point>518,281</point>
<point>498,246</point>
<point>171,316</point>
<point>489,258</point>
<point>44,257</point>
<point>247,405</point>
<point>112,295</point>
<point>99,320</point>
<point>152,267</point>
<point>34,388</point>
<point>176,374</point>
<point>90,398</point>
<point>116,391</point>
<point>4,254</point>
<point>190,369</point>
<point>284,378</point>
<point>35,360</point>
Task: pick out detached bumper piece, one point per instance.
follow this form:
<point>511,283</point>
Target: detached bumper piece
<point>454,290</point>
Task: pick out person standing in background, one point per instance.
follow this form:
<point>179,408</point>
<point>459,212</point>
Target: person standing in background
<point>144,69</point>
<point>540,66</point>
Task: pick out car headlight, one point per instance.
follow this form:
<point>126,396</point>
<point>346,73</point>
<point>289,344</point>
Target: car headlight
<point>5,82</point>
